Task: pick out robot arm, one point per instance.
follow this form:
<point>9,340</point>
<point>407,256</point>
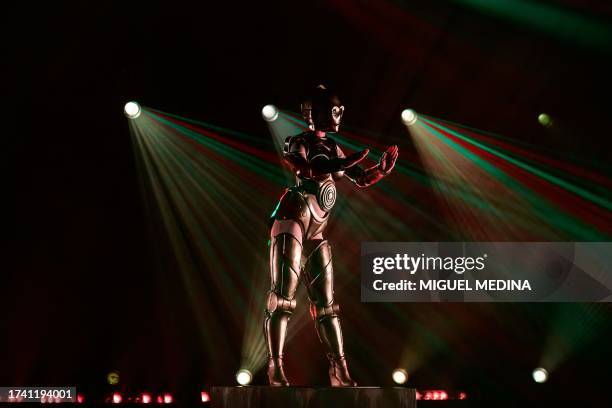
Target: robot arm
<point>365,178</point>
<point>296,156</point>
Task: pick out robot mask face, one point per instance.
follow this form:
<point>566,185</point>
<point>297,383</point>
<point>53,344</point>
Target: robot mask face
<point>336,114</point>
<point>326,121</point>
<point>323,112</point>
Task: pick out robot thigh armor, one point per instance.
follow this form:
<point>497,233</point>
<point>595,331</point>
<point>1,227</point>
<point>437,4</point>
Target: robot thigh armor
<point>298,206</point>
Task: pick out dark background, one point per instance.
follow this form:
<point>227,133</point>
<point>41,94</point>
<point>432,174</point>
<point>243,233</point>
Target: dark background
<point>78,298</point>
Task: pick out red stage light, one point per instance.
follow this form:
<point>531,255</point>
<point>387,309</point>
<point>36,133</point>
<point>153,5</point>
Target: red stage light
<point>462,396</point>
<point>205,396</point>
<point>146,398</point>
<point>160,399</point>
<point>80,398</point>
<point>433,395</point>
<point>117,398</point>
<point>167,398</point>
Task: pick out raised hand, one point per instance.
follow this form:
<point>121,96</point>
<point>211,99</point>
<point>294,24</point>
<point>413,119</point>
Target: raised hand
<point>388,158</point>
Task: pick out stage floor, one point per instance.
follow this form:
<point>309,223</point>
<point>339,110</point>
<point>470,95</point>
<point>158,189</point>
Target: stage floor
<point>309,397</point>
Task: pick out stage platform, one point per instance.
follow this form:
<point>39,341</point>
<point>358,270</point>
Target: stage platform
<point>308,397</point>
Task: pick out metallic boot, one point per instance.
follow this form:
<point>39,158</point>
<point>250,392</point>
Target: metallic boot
<point>338,372</point>
<point>275,329</point>
<point>276,372</point>
<point>330,333</point>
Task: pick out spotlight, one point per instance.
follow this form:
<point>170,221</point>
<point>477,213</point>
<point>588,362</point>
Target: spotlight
<point>117,398</point>
<point>400,376</point>
<point>409,117</point>
<point>168,398</point>
<point>545,120</point>
<point>146,398</point>
<point>244,376</point>
<point>269,113</point>
<point>132,110</point>
<point>113,378</point>
<point>205,396</point>
<point>540,375</point>
<point>80,398</point>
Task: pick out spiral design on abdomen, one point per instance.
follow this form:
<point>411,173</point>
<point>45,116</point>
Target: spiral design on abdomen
<point>327,195</point>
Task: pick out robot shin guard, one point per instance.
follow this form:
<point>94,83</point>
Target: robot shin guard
<point>278,312</point>
<point>319,278</point>
<point>328,327</point>
<point>285,256</point>
<point>319,275</point>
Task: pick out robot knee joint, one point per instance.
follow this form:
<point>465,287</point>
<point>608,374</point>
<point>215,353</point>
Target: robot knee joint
<point>321,312</point>
<point>279,304</point>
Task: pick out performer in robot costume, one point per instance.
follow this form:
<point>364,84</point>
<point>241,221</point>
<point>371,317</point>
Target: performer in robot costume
<point>298,249</point>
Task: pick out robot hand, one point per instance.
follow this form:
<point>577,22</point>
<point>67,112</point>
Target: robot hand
<point>388,158</point>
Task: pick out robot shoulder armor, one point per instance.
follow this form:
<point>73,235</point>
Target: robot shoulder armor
<point>292,141</point>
